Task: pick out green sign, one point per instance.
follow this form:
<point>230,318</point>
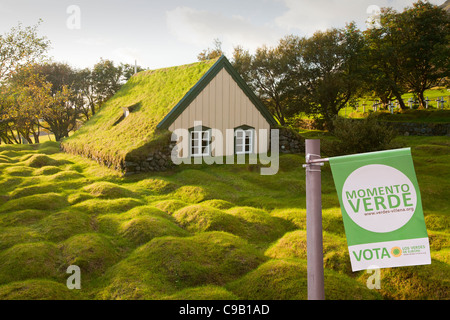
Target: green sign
<point>381,209</point>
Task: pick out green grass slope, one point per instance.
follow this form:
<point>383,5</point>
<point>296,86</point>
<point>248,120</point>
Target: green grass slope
<point>203,232</point>
<point>151,95</point>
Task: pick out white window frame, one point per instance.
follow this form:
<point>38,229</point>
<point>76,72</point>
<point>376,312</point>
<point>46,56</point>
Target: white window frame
<point>243,147</point>
<point>201,136</point>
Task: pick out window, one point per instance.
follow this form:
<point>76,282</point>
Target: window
<point>200,141</point>
<point>244,141</point>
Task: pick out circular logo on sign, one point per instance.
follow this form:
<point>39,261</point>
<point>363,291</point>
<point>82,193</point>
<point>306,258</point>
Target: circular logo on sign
<point>379,198</point>
<point>396,251</point>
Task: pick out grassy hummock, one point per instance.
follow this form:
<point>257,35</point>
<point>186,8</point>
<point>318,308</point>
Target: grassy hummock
<point>203,232</point>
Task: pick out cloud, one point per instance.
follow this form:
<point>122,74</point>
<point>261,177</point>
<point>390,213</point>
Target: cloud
<point>127,55</point>
<point>200,27</point>
<point>306,17</point>
<point>92,41</point>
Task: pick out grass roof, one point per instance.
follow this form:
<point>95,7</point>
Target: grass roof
<point>151,95</point>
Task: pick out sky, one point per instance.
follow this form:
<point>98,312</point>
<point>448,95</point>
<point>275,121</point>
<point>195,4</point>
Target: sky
<point>173,32</point>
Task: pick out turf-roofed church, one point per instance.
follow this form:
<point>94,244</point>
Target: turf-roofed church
<point>132,131</point>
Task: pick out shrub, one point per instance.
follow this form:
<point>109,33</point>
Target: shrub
<point>359,136</point>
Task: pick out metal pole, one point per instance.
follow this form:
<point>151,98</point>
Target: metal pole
<point>314,245</point>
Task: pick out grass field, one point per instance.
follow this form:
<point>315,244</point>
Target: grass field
<point>199,232</point>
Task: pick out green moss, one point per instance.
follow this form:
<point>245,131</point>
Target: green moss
<point>108,190</point>
<point>92,252</point>
<point>295,215</point>
<point>428,282</point>
<point>38,290</point>
<point>19,171</point>
<point>40,160</point>
<point>20,192</point>
<point>198,218</point>
<point>439,240</point>
<point>4,159</point>
<point>21,218</point>
<point>170,206</point>
<point>14,235</point>
<point>258,225</point>
<point>218,204</point>
<point>47,171</point>
<point>157,186</point>
<point>142,229</point>
<point>438,222</point>
<point>151,94</point>
<point>209,292</point>
<point>65,175</point>
<point>46,201</point>
<point>113,224</point>
<point>191,194</point>
<point>287,280</point>
<point>77,197</point>
<point>30,260</point>
<point>293,245</point>
<point>166,265</point>
<point>62,225</point>
<point>97,206</point>
<point>9,183</point>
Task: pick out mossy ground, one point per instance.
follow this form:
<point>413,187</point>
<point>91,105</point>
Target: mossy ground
<point>203,232</point>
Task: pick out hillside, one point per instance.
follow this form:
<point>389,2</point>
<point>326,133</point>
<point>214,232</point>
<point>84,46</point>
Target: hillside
<point>203,232</point>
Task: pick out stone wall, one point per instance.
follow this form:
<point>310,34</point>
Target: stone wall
<point>403,128</point>
<point>421,129</point>
<point>291,141</point>
<point>160,160</point>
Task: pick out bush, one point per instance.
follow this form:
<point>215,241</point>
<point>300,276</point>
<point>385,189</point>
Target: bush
<point>359,136</point>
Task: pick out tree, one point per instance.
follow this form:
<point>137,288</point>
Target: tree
<point>29,94</point>
<point>269,74</point>
<point>242,62</point>
<point>19,47</point>
<point>385,59</point>
<point>409,52</point>
<point>331,70</point>
<point>60,115</point>
<point>213,53</point>
<point>425,47</point>
<point>96,86</point>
